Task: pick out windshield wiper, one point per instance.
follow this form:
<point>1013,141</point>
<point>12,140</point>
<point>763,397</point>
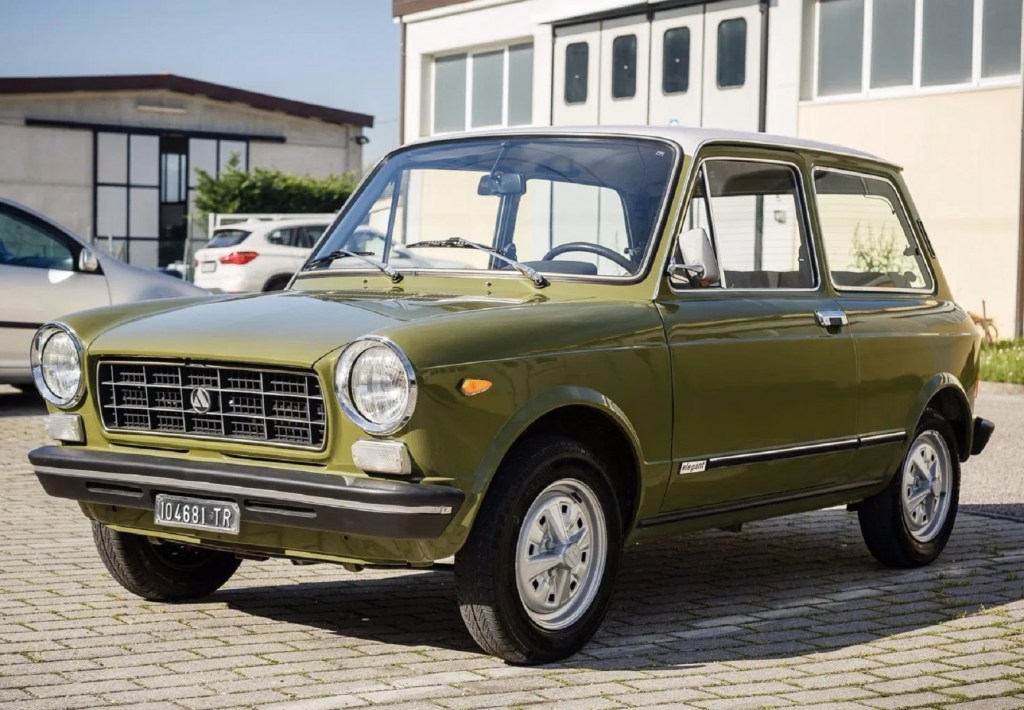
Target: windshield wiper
<point>460,243</point>
<point>329,257</point>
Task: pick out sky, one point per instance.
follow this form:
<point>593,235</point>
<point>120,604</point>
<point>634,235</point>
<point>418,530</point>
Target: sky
<point>339,53</point>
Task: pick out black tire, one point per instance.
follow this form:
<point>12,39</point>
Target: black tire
<point>492,607</point>
<point>276,283</point>
<point>883,522</point>
<point>165,572</point>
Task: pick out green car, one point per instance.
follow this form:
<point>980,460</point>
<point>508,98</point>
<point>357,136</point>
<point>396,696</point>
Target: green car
<point>619,335</point>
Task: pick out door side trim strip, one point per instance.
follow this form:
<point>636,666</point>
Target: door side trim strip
<point>709,510</point>
<point>818,447</point>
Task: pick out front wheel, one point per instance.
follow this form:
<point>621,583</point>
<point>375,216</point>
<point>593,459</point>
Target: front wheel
<point>536,575</point>
<point>165,571</point>
<point>909,523</point>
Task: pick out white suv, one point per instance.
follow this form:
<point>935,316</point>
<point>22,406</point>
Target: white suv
<point>254,255</point>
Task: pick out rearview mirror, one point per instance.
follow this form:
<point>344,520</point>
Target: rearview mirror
<point>87,261</point>
<point>501,184</point>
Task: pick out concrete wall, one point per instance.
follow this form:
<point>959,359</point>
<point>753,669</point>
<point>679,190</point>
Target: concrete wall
<point>49,170</point>
<point>962,158</point>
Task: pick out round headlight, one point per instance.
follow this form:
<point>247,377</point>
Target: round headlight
<point>57,365</point>
<point>376,385</point>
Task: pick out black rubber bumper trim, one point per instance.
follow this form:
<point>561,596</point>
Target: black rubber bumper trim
<point>287,497</point>
<point>983,429</point>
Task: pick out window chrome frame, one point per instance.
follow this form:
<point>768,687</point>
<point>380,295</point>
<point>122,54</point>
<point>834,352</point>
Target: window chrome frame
<point>917,241</point>
<point>803,207</point>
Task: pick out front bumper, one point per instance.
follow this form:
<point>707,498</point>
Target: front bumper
<point>274,496</point>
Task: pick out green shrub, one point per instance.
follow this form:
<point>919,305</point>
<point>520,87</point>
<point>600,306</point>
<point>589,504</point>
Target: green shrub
<point>1003,361</point>
<point>269,191</point>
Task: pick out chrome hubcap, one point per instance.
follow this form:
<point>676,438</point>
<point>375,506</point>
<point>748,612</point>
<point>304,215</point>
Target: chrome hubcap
<point>560,554</point>
<point>927,483</point>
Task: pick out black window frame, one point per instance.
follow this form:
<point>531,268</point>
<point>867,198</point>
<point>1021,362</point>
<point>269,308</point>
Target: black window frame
<point>624,58</point>
<point>666,68</point>
<point>576,90</point>
<point>742,75</point>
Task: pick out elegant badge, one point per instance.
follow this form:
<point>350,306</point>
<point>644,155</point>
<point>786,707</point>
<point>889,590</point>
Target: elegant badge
<point>693,466</point>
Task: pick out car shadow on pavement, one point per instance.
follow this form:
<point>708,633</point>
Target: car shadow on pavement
<point>15,403</point>
<point>780,588</point>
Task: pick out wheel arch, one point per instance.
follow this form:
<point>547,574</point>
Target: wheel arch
<point>945,394</point>
<point>283,279</point>
<point>586,416</point>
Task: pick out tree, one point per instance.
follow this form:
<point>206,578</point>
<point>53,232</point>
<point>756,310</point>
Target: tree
<point>269,191</point>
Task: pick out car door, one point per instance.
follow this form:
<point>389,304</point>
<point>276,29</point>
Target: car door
<point>764,393</point>
<point>39,281</point>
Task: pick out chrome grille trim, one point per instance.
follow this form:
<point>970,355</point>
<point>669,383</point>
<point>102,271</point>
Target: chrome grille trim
<point>278,407</point>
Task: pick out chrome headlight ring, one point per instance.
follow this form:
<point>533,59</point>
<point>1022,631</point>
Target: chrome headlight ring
<point>42,338</point>
<point>343,385</point>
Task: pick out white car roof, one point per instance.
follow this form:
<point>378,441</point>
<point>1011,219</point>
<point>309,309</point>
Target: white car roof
<point>254,225</point>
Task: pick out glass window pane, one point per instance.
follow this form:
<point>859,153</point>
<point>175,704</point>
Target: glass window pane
<point>732,53</point>
<point>144,212</point>
<point>450,93</point>
<point>948,37</point>
<point>1000,42</point>
<point>202,155</point>
<point>112,157</point>
<point>232,148</point>
<point>488,71</point>
<point>758,230</point>
<point>577,57</point>
<point>111,212</point>
<point>675,70</point>
<point>144,160</point>
<point>520,84</point>
<point>624,67</point>
<point>868,239</point>
<point>144,253</point>
<point>892,43</point>
<point>840,46</point>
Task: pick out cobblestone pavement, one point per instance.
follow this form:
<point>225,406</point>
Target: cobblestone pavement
<point>791,612</point>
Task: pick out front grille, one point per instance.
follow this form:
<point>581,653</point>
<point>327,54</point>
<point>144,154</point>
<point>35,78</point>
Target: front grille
<point>230,402</point>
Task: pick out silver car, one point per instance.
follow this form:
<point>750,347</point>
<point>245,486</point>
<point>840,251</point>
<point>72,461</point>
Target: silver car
<point>46,271</point>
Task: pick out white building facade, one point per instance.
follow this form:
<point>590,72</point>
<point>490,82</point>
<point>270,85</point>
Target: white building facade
<point>934,85</point>
<point>114,158</point>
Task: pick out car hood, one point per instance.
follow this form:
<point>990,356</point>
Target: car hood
<point>285,328</point>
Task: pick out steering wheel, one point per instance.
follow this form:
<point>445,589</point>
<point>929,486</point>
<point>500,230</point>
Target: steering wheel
<point>607,253</point>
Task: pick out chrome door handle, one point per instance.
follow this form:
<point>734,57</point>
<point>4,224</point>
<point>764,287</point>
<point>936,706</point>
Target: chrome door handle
<point>832,319</point>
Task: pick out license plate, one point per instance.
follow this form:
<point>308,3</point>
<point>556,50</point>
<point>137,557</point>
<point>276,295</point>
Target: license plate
<point>196,514</point>
<point>208,266</point>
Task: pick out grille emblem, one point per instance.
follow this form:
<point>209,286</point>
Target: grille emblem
<point>200,400</point>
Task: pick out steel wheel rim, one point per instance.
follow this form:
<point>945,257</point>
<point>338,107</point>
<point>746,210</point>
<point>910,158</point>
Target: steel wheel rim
<point>561,553</point>
<point>927,481</point>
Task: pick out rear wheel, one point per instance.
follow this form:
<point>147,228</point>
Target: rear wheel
<point>909,523</point>
<point>276,283</point>
<point>167,571</point>
<point>536,576</point>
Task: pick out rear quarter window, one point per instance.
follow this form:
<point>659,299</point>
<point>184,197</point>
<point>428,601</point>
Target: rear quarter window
<point>868,239</point>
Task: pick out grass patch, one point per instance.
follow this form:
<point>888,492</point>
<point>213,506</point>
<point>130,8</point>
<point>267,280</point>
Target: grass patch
<point>1003,361</point>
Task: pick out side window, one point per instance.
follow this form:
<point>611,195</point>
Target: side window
<point>280,237</point>
<point>577,56</point>
<point>24,243</point>
<point>624,67</point>
<point>757,225</point>
<point>869,242</point>
<point>675,68</point>
<point>309,234</point>
<point>732,53</point>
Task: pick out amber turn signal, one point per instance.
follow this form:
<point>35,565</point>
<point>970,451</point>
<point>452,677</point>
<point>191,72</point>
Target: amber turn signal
<point>470,386</point>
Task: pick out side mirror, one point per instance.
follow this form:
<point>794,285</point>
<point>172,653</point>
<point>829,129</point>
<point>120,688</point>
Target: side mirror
<point>699,262</point>
<point>87,261</point>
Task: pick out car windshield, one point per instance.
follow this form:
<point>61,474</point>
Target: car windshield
<point>586,207</point>
<point>227,238</point>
